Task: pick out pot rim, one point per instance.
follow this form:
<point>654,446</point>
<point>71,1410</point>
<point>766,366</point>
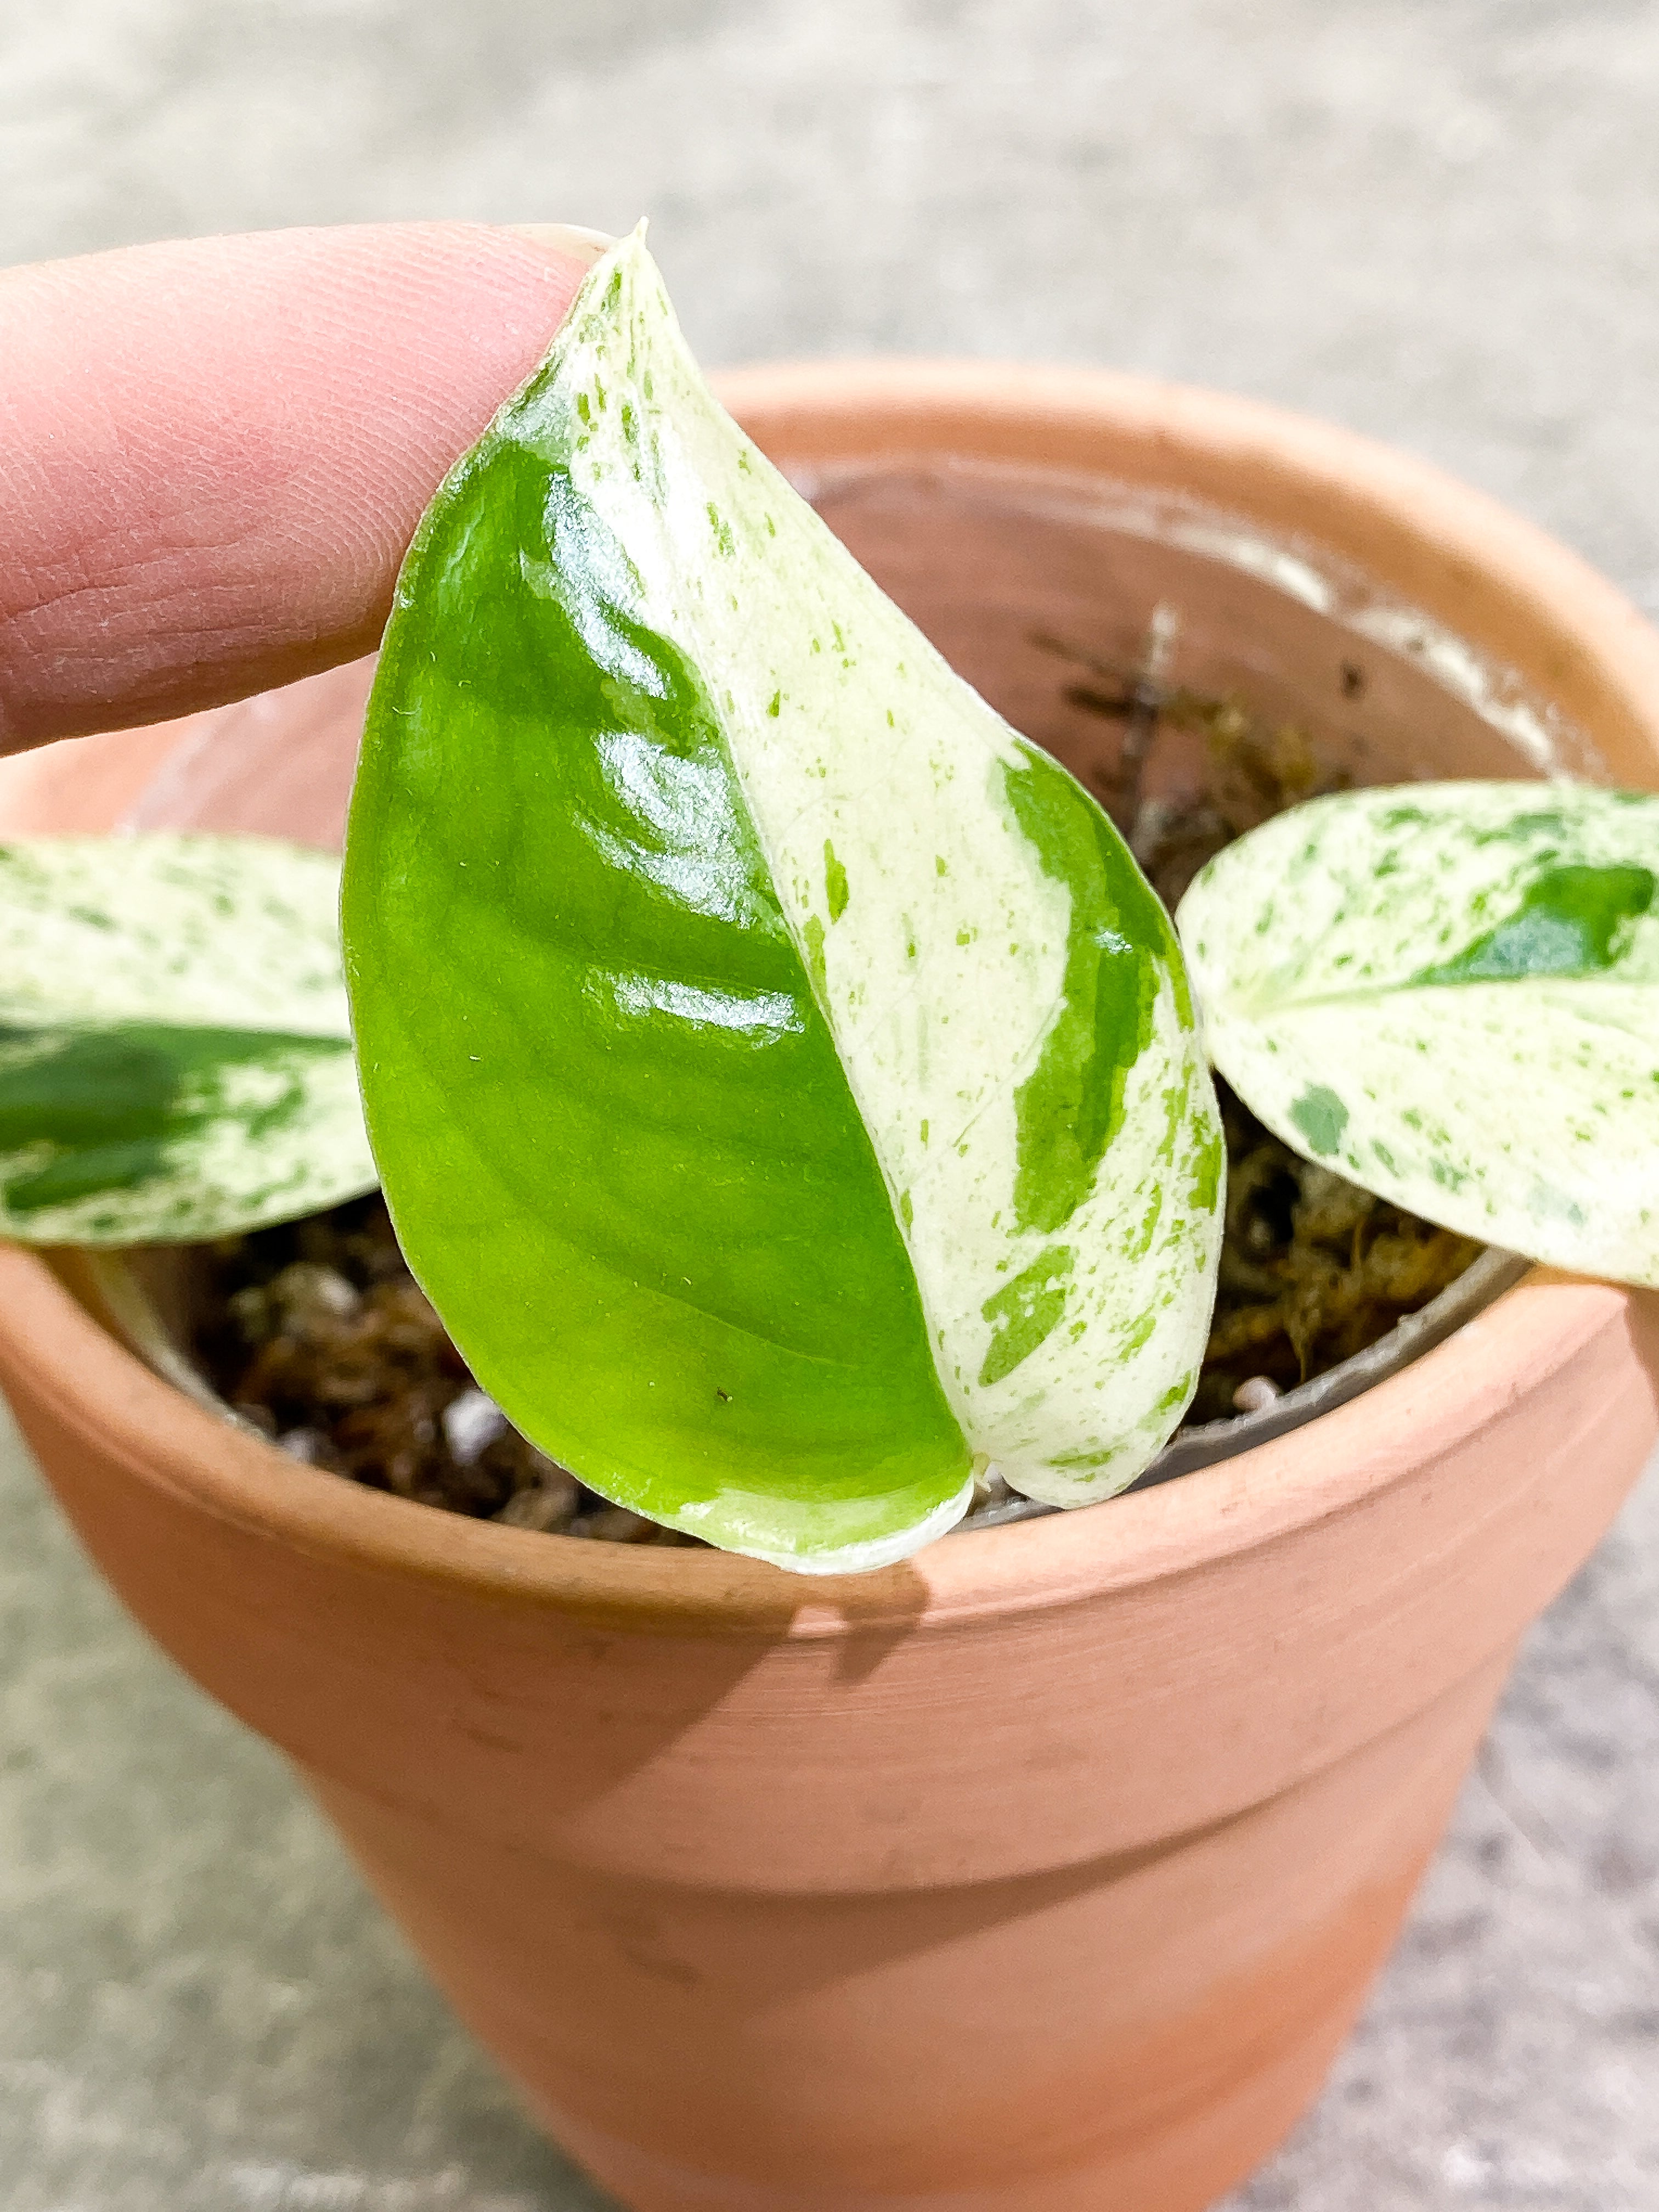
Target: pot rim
<point>79,1370</point>
<point>1409,525</point>
<point>1353,494</point>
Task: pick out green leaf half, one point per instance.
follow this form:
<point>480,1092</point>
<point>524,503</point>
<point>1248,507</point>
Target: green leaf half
<point>1449,994</point>
<point>176,1059</point>
<point>784,1084</point>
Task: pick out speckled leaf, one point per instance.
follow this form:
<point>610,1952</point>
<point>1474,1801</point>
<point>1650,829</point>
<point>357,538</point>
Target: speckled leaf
<point>1449,994</point>
<point>800,1100</point>
<point>175,1059</point>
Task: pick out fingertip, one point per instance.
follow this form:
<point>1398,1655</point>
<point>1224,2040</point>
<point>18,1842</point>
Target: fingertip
<point>218,450</point>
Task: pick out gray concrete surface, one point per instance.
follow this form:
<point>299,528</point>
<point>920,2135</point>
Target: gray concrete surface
<point>1435,220</point>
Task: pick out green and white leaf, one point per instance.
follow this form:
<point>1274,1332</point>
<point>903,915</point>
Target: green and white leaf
<point>175,1055</point>
<point>806,1105</point>
<point>1449,994</point>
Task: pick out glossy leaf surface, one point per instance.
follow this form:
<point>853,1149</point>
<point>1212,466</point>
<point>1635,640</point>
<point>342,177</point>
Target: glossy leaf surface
<point>784,1084</point>
<point>1449,994</point>
<point>175,1061</point>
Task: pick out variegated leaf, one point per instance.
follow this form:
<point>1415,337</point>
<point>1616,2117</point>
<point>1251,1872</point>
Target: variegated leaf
<point>175,1058</point>
<point>1449,994</point>
<point>800,1104</point>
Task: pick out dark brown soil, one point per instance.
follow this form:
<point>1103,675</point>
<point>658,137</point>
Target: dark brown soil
<point>318,1335</point>
<point>1312,1270</point>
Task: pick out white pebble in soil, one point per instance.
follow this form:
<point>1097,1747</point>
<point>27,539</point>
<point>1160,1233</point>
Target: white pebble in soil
<point>472,1423</point>
<point>310,1445</point>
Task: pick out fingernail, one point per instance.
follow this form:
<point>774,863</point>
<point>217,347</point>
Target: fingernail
<point>572,240</point>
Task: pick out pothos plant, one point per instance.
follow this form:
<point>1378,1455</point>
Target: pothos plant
<point>784,1083</point>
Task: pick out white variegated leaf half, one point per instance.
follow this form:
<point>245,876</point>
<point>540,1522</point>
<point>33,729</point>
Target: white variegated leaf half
<point>962,908</point>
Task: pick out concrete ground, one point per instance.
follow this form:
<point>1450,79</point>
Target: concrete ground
<point>1434,220</point>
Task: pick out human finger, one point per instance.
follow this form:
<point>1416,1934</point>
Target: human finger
<point>214,453</point>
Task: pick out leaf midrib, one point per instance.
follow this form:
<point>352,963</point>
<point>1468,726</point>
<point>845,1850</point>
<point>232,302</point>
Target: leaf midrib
<point>1257,1009</point>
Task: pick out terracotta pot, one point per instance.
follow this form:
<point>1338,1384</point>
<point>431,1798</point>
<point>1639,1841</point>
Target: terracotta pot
<point>1047,1873</point>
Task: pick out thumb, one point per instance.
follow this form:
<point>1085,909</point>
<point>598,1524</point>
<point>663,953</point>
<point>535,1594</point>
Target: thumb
<point>214,453</point>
